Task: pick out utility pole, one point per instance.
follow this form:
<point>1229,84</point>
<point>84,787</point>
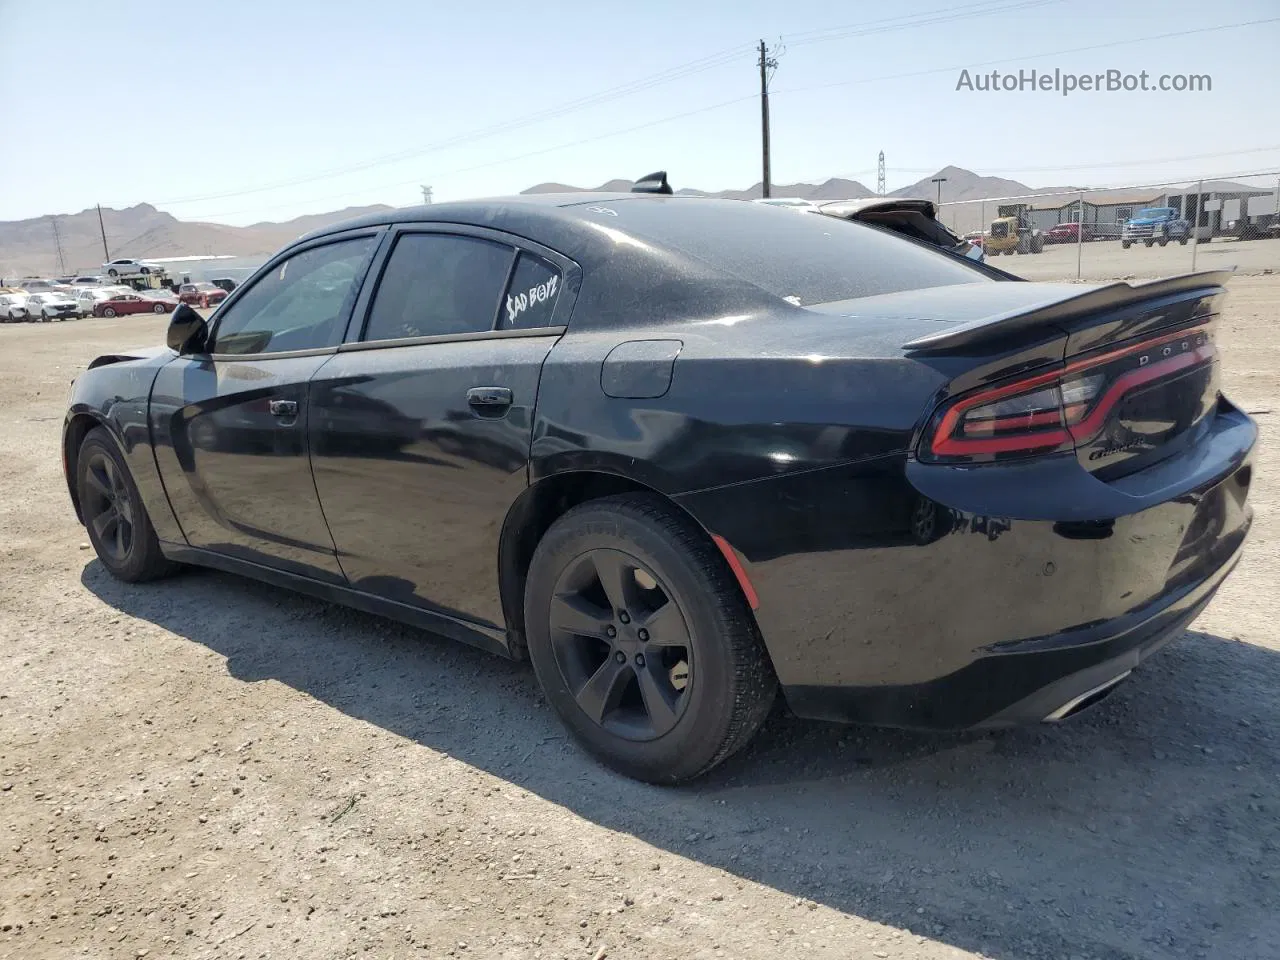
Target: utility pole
<point>766,64</point>
<point>57,244</point>
<point>426,194</point>
<point>939,181</point>
<point>106,254</point>
<point>880,175</point>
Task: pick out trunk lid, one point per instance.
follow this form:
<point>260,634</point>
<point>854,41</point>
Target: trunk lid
<point>1128,377</point>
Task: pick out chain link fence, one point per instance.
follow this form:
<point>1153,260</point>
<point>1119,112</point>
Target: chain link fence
<point>1140,231</point>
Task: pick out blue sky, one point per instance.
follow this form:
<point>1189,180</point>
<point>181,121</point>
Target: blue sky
<point>242,111</point>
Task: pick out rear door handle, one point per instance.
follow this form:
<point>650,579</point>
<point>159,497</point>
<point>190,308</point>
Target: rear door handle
<point>489,399</point>
<point>284,409</point>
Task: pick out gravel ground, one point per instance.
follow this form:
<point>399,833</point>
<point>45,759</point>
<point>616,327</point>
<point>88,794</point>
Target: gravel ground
<point>206,767</point>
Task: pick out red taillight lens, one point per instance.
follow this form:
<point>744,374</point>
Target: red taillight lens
<point>1058,410</point>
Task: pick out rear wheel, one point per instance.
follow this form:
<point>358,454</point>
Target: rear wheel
<point>642,641</point>
<point>112,273</point>
<point>1183,240</point>
<point>114,516</point>
<point>1125,244</point>
<point>158,308</point>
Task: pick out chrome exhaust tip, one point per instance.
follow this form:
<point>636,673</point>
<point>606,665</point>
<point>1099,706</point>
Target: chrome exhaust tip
<point>1086,699</point>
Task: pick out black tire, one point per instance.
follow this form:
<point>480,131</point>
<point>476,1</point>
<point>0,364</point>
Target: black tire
<point>108,311</point>
<point>728,682</point>
<point>1125,244</point>
<point>1182,241</point>
<point>112,273</point>
<point>1163,241</point>
<point>144,270</point>
<point>114,516</point>
<point>1148,243</point>
<point>158,308</point>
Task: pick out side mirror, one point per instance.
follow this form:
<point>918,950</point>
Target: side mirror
<point>188,331</point>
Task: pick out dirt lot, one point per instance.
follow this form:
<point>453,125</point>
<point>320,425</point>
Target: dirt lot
<point>206,767</point>
<point>1106,259</point>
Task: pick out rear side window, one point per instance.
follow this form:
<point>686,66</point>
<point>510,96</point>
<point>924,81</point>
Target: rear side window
<point>805,258</point>
<point>438,285</point>
<point>531,295</point>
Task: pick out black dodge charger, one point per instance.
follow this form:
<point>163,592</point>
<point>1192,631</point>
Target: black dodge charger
<point>682,452</point>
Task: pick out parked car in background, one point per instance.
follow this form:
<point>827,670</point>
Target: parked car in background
<point>86,299</point>
<point>34,284</point>
<point>975,237</point>
<point>51,305</point>
<point>124,303</point>
<point>225,283</point>
<point>1064,233</point>
<point>88,281</point>
<point>201,294</point>
<point>13,307</point>
<point>127,266</point>
<point>1155,225</point>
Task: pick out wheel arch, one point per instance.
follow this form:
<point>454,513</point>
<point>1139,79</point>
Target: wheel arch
<point>544,502</point>
<point>73,436</point>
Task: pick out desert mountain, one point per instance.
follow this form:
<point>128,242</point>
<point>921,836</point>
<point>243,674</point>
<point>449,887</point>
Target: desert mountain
<point>27,247</point>
<point>833,189</point>
<point>962,184</point>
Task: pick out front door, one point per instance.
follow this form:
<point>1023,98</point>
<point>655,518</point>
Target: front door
<point>420,432</point>
<point>231,425</point>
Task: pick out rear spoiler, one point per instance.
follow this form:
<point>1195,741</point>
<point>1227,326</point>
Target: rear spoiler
<point>1113,296</point>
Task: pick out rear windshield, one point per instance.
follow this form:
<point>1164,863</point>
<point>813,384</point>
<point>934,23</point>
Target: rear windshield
<point>805,258</point>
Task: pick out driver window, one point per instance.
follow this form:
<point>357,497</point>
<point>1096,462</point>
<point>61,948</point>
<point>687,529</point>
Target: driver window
<point>302,304</point>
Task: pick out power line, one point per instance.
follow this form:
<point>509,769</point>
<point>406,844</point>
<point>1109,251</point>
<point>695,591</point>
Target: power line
<point>499,162</point>
<point>1024,57</point>
<point>925,18</point>
<point>728,55</point>
<point>736,100</point>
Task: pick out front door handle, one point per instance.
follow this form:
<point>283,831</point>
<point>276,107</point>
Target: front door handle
<point>489,400</point>
<point>284,409</point>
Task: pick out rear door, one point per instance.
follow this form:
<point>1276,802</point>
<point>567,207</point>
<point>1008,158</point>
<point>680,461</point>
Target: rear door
<point>421,424</point>
<point>230,426</point>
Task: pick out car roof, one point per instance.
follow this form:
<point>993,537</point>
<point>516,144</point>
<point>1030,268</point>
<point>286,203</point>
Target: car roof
<point>482,210</point>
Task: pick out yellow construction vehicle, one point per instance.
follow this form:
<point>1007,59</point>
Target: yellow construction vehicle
<point>1013,232</point>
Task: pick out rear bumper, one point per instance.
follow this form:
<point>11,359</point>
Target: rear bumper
<point>913,595</point>
<point>1046,679</point>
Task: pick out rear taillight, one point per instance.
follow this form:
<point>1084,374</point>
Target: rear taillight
<point>1061,409</point>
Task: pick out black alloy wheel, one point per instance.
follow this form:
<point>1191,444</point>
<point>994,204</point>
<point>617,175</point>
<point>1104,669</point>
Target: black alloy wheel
<point>108,511</point>
<point>622,645</point>
<point>113,512</point>
<point>642,639</point>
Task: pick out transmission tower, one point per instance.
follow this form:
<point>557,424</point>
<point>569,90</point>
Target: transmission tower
<point>880,175</point>
<point>426,193</point>
<point>57,243</point>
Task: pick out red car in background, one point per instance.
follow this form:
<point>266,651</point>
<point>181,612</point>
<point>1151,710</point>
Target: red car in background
<point>1064,233</point>
<point>124,303</point>
<point>201,294</point>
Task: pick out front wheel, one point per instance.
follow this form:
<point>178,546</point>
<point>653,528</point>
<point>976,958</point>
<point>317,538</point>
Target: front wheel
<point>1126,244</point>
<point>116,520</point>
<point>112,273</point>
<point>1182,241</point>
<point>108,311</point>
<point>642,640</point>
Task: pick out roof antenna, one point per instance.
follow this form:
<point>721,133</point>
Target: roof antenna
<point>653,183</point>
